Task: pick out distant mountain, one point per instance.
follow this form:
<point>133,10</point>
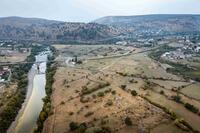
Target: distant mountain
<point>153,23</point>
<point>49,30</point>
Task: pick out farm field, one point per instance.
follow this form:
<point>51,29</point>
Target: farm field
<point>192,91</point>
<point>9,55</point>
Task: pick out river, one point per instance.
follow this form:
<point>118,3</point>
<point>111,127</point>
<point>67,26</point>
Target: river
<point>27,116</point>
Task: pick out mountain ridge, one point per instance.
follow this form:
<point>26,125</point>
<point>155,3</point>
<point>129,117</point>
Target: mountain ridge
<point>106,28</point>
<point>154,23</point>
<point>50,30</point>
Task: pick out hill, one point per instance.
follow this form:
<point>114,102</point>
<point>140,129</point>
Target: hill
<point>36,29</point>
<point>154,23</point>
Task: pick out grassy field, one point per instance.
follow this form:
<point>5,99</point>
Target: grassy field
<point>192,91</point>
<point>84,51</point>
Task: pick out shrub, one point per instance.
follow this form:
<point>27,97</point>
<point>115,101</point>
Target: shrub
<point>191,108</point>
<point>82,127</point>
<point>108,90</point>
<point>122,74</point>
<point>177,99</point>
<point>131,80</point>
<point>113,92</point>
<point>73,126</point>
<point>123,87</point>
<point>162,92</point>
<point>85,90</point>
<point>100,94</point>
<point>133,93</point>
<point>128,121</point>
<point>71,113</point>
<point>62,103</point>
<point>89,114</point>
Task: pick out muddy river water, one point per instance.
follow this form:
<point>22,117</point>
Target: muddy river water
<point>27,117</point>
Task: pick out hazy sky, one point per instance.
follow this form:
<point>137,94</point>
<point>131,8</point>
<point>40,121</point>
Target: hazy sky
<point>88,10</point>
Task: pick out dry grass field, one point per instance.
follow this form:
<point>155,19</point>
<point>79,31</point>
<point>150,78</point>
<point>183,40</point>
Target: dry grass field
<point>99,93</point>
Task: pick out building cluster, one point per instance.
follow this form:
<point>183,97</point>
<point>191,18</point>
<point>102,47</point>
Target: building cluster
<point>4,73</point>
<point>173,55</point>
<point>184,52</point>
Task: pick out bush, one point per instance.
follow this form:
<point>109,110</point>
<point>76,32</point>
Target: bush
<point>73,126</point>
<point>108,90</point>
<point>128,121</point>
<point>71,113</point>
<point>162,92</point>
<point>177,99</point>
<point>191,108</point>
<point>62,103</point>
<point>122,74</point>
<point>123,87</point>
<point>82,127</point>
<point>89,114</point>
<point>133,93</point>
<point>100,94</point>
<point>131,80</point>
<point>85,90</point>
<point>113,92</point>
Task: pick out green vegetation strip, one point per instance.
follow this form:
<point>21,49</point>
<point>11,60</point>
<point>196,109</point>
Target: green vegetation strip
<point>19,75</point>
